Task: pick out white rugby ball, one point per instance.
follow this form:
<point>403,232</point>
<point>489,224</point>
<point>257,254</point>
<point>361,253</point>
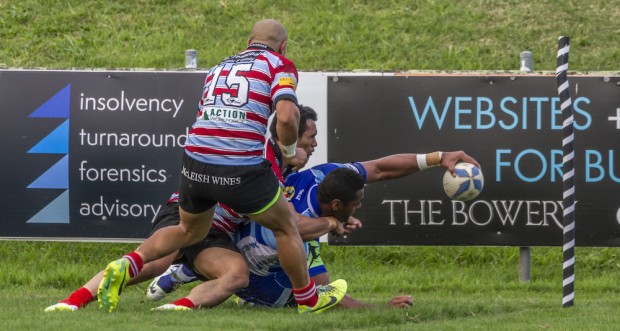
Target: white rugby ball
<point>466,185</point>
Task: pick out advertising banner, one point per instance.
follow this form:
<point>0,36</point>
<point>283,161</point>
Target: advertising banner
<point>91,154</point>
<point>512,125</point>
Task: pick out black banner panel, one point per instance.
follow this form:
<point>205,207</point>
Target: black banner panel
<point>512,125</point>
<point>91,154</point>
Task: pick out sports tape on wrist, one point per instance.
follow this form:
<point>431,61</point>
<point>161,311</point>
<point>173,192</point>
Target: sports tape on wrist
<point>429,160</point>
<point>289,151</point>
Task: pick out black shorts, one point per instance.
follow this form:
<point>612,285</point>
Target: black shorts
<point>245,189</point>
<point>215,238</point>
<point>167,215</point>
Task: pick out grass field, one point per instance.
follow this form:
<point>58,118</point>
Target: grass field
<point>455,288</point>
<point>324,34</point>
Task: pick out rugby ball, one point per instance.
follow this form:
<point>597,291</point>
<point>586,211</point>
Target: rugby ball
<point>466,185</point>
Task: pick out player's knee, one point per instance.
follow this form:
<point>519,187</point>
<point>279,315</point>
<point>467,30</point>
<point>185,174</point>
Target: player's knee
<point>238,279</point>
<point>241,281</point>
<point>193,234</point>
<point>241,274</point>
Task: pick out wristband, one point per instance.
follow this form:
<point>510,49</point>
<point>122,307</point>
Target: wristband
<point>290,150</point>
<point>429,160</point>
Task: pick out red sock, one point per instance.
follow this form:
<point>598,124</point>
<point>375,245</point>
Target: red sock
<point>306,296</point>
<point>185,302</point>
<point>80,298</point>
<point>135,263</point>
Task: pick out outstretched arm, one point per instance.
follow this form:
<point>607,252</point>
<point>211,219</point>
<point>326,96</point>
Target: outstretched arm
<point>398,301</point>
<point>400,165</point>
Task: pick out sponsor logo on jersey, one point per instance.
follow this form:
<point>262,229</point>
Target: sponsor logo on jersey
<point>224,114</point>
<point>289,192</point>
<point>287,81</point>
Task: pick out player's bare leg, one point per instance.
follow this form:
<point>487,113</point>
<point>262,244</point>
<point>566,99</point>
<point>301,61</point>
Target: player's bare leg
<point>191,229</point>
<point>227,272</point>
<point>292,255</point>
<point>293,259</point>
<point>85,294</point>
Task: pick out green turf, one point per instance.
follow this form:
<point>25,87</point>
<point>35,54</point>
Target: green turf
<point>324,34</point>
<point>454,288</point>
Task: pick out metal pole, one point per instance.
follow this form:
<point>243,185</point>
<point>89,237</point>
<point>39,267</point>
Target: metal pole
<point>525,254</point>
<point>525,261</point>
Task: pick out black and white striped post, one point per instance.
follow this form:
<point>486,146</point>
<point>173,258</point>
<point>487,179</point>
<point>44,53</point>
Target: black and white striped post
<point>568,137</point>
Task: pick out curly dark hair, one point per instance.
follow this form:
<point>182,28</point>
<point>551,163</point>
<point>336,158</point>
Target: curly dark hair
<point>341,184</point>
<point>305,113</point>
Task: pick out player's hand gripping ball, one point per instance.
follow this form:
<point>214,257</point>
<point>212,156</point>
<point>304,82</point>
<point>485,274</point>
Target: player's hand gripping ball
<point>466,185</point>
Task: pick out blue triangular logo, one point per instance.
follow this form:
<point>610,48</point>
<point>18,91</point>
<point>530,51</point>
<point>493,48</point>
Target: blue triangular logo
<point>55,177</point>
<point>57,142</point>
<point>56,212</point>
<point>56,106</point>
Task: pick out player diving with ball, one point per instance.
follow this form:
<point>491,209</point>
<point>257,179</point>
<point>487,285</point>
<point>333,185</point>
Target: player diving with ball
<point>327,190</point>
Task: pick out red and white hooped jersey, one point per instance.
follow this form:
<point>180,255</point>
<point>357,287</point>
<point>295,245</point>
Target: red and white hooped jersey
<point>238,98</point>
